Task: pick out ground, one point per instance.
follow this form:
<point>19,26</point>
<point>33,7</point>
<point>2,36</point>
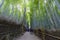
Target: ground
<point>27,36</point>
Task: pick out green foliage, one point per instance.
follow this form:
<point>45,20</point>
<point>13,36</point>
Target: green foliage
<point>35,11</point>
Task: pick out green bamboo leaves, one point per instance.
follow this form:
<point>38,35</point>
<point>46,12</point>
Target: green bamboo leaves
<point>44,13</point>
<point>37,13</point>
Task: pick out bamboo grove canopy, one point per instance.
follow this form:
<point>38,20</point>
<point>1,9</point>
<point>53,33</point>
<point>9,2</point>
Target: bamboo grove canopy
<point>42,14</point>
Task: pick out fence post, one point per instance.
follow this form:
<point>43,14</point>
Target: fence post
<point>43,33</point>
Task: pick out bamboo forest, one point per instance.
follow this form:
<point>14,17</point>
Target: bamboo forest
<point>29,19</point>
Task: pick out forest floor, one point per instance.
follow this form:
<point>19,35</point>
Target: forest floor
<point>27,36</point>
